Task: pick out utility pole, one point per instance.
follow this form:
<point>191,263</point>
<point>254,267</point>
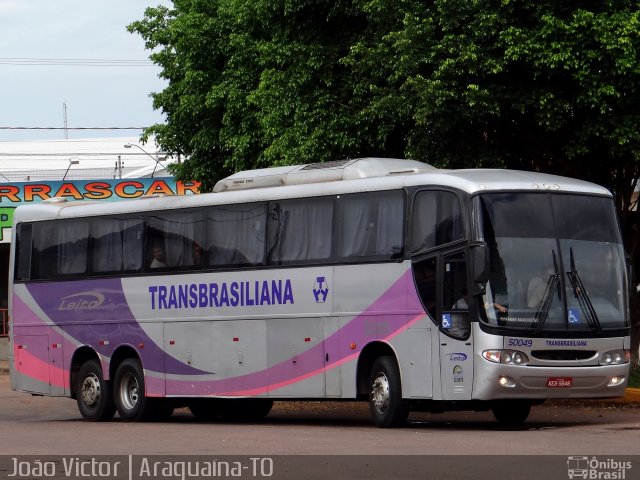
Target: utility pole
<point>64,115</point>
<point>119,166</point>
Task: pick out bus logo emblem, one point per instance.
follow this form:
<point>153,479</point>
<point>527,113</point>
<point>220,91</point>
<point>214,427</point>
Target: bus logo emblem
<point>321,290</point>
<point>82,301</point>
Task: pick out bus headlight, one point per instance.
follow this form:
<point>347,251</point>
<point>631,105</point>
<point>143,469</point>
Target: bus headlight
<point>615,357</point>
<point>506,357</point>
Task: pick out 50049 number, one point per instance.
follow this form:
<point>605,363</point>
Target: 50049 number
<point>520,342</point>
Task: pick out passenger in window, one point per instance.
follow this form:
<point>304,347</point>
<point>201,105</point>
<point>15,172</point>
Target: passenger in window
<point>158,258</point>
<point>197,254</point>
<point>463,302</point>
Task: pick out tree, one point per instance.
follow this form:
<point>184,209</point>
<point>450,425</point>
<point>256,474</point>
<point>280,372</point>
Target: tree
<point>550,86</point>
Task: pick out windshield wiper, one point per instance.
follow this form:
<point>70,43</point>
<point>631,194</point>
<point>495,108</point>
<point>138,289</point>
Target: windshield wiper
<point>582,296</point>
<point>553,284</point>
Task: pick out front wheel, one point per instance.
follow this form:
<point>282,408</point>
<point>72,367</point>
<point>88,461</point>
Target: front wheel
<point>129,393</point>
<point>511,412</point>
<point>388,409</point>
<point>93,393</point>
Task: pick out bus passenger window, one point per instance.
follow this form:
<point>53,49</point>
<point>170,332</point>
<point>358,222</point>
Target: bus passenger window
<point>236,235</point>
<point>370,225</point>
<point>171,237</point>
<point>300,230</point>
<point>116,245</point>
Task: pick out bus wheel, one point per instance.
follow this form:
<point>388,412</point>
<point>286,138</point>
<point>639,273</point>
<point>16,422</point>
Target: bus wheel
<point>388,409</point>
<point>93,393</point>
<point>129,397</point>
<point>511,412</point>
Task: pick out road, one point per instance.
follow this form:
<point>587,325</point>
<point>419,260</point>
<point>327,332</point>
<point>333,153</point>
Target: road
<point>52,426</point>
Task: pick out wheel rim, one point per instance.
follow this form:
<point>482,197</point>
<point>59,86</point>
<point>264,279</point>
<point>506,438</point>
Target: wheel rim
<point>129,391</point>
<point>380,393</point>
<point>91,390</point>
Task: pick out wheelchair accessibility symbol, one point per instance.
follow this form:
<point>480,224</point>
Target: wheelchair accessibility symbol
<point>574,315</point>
<point>446,321</point>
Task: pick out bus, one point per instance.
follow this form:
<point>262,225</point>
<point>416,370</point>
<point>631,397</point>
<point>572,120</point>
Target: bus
<point>383,280</point>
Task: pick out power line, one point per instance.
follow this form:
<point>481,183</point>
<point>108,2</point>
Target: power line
<point>75,62</point>
<point>72,128</point>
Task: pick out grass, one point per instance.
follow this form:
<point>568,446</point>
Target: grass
<point>634,377</point>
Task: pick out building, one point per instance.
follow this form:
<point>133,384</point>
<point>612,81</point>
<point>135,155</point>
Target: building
<point>98,169</point>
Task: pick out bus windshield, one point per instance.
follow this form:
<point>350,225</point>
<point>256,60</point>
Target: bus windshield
<point>556,262</point>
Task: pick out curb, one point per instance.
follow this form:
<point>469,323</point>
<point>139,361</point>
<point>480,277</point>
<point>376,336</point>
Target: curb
<point>631,395</point>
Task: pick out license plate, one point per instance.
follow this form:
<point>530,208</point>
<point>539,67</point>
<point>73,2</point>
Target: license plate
<point>559,382</point>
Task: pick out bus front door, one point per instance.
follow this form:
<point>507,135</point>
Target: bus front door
<point>456,346</point>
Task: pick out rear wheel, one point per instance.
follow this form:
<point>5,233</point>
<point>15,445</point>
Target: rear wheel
<point>129,393</point>
<point>93,393</point>
<point>388,409</point>
<point>511,412</point>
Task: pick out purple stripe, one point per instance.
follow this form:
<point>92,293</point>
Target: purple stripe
<point>103,303</point>
<point>390,313</point>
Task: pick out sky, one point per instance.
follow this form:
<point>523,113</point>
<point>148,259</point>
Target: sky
<point>95,96</point>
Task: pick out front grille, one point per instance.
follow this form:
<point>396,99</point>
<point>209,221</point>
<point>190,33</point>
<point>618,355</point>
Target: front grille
<point>563,354</point>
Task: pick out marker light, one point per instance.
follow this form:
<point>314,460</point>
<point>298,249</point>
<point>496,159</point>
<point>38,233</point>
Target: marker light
<point>615,357</point>
<point>506,357</point>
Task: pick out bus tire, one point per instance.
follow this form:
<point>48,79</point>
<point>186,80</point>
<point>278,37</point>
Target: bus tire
<point>93,393</point>
<point>388,409</point>
<point>511,412</point>
<point>129,393</point>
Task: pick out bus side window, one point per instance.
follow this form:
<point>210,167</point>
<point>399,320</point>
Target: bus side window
<point>116,245</point>
<point>73,247</point>
<point>23,249</point>
<point>171,237</point>
<point>370,225</point>
<point>300,230</point>
<point>236,235</point>
<point>436,220</point>
<point>60,248</point>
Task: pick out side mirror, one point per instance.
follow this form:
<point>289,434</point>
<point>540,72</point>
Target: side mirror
<point>479,255</point>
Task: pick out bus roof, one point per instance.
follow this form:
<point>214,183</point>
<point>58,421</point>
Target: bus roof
<point>332,178</point>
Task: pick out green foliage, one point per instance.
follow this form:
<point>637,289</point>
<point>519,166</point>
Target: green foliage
<point>547,85</point>
<point>634,377</point>
<point>552,86</point>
